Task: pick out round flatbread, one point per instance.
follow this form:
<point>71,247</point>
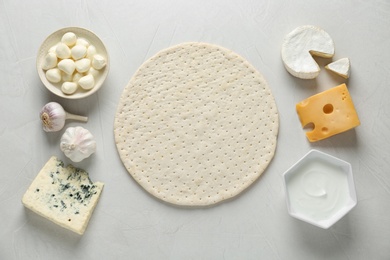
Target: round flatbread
<point>196,124</point>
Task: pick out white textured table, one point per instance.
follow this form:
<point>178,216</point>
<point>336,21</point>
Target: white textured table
<point>130,224</point>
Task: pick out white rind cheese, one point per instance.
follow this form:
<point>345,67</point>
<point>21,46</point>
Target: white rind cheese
<point>65,196</point>
<point>299,46</point>
<point>341,67</point>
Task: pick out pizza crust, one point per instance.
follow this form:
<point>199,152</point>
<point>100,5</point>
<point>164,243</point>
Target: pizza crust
<point>196,125</point>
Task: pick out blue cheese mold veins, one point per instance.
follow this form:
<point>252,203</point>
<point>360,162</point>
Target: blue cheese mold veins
<point>63,195</point>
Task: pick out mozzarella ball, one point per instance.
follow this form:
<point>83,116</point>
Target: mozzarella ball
<point>69,39</point>
<point>83,65</point>
<point>91,50</point>
<point>67,65</point>
<point>78,52</point>
<point>50,61</point>
<point>66,77</point>
<point>69,87</point>
<point>87,82</point>
<point>77,76</point>
<point>82,41</point>
<point>95,73</point>
<point>98,61</point>
<point>73,62</point>
<point>62,51</point>
<point>52,49</point>
<point>53,75</point>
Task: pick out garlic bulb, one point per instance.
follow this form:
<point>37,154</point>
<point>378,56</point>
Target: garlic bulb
<point>77,143</point>
<point>53,117</point>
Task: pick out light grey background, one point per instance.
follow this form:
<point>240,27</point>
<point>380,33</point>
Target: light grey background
<point>130,224</point>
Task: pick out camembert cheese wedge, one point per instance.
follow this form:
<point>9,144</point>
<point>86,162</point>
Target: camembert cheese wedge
<point>65,196</point>
<point>331,112</point>
<point>341,67</point>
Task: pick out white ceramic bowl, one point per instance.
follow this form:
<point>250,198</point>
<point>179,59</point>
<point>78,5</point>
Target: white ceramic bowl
<point>319,189</point>
<point>55,38</point>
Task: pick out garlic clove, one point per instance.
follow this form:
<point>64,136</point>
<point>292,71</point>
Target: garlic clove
<point>77,143</point>
<point>53,117</point>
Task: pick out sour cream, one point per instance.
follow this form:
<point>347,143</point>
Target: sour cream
<point>317,190</point>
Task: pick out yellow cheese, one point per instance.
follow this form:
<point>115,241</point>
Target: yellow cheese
<point>331,112</point>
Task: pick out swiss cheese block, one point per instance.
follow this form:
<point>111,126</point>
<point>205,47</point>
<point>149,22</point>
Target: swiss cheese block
<point>331,112</point>
<point>65,196</point>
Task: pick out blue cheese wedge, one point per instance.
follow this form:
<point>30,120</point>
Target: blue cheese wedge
<point>63,195</point>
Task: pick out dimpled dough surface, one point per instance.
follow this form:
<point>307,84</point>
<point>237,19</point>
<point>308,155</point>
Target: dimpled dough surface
<point>196,125</point>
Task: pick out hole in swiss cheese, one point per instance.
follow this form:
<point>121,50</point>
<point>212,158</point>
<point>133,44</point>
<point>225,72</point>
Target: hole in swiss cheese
<point>328,108</point>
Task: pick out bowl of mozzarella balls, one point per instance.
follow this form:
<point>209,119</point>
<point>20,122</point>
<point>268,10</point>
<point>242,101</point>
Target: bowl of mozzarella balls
<point>73,63</point>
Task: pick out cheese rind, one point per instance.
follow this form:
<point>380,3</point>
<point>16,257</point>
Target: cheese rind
<point>65,196</point>
<point>331,112</point>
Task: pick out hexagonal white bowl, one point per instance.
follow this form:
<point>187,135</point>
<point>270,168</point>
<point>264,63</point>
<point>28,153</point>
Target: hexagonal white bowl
<point>319,189</point>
